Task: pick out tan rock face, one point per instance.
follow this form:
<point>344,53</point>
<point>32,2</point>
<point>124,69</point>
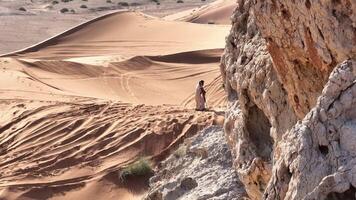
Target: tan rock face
<point>277,60</point>
<point>259,112</point>
<point>306,40</point>
<point>319,155</point>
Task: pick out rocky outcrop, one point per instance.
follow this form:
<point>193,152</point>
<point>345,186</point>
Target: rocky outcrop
<point>259,112</point>
<point>277,60</point>
<point>319,153</point>
<point>199,169</point>
<point>306,40</point>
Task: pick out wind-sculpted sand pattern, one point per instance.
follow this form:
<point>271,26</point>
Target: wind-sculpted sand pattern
<point>52,144</point>
<point>79,107</point>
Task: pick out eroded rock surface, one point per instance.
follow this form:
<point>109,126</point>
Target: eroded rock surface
<point>259,112</point>
<point>199,170</point>
<point>319,153</point>
<point>277,60</point>
<point>306,40</point>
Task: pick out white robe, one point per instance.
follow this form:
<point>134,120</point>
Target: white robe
<point>199,99</point>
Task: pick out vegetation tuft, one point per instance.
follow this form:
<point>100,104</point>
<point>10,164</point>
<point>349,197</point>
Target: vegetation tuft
<point>181,151</point>
<point>180,1</point>
<point>141,167</point>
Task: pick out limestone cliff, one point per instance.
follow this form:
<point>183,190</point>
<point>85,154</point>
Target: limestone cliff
<point>278,58</point>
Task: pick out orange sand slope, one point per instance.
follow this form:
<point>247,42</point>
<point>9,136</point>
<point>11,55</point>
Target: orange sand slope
<point>48,148</point>
<point>124,56</point>
<point>72,107</point>
<point>127,34</point>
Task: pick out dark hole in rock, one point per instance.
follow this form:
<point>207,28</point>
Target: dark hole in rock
<point>307,4</point>
<point>296,99</point>
<point>286,14</point>
<point>323,150</point>
<point>303,45</point>
<point>347,195</point>
<point>334,13</point>
<point>259,128</point>
<point>243,25</point>
<point>243,60</point>
<point>233,44</point>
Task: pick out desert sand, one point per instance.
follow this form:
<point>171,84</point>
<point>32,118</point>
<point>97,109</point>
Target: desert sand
<point>24,23</point>
<point>80,106</point>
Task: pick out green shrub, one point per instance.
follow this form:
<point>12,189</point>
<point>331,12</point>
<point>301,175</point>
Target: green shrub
<point>181,151</point>
<point>139,168</point>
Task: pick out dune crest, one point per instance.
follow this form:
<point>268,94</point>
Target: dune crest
<point>125,56</point>
<point>218,12</point>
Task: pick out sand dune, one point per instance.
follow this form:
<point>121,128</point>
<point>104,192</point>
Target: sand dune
<point>217,12</point>
<point>20,29</point>
<point>150,80</point>
<point>129,34</point>
<point>136,59</point>
<point>59,145</point>
<point>79,107</point>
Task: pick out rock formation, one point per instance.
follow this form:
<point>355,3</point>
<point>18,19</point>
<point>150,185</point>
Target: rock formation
<point>200,169</point>
<point>277,60</point>
<point>319,153</point>
<point>259,112</point>
<point>306,40</point>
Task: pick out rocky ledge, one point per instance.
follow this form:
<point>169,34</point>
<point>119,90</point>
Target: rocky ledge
<point>201,168</point>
